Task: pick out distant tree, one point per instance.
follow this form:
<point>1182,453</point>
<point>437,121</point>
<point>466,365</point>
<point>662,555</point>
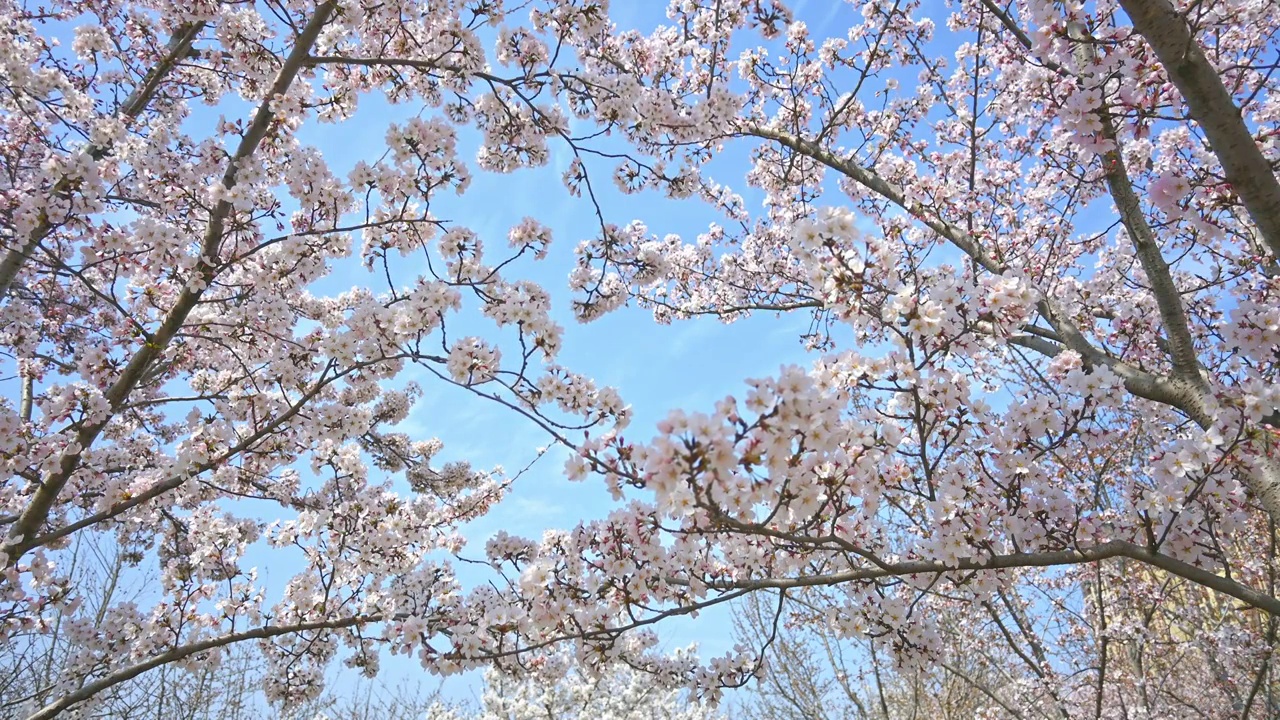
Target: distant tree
<point>813,673</point>
<point>557,690</point>
<point>368,700</point>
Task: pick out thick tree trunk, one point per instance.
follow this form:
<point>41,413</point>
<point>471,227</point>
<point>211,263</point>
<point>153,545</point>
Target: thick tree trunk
<point>1212,106</point>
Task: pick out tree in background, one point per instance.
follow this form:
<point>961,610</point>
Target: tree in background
<point>226,687</point>
<point>556,690</point>
<point>812,673</point>
<point>1037,241</point>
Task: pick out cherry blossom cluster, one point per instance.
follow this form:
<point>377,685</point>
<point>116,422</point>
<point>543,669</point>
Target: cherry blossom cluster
<point>553,687</point>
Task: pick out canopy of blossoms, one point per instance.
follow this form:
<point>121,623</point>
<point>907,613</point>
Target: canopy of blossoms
<point>1037,242</point>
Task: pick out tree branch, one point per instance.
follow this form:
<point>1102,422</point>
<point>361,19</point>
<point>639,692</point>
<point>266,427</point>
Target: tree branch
<point>66,701</point>
<point>1104,551</point>
<point>179,47</point>
<point>35,514</point>
<point>1212,107</point>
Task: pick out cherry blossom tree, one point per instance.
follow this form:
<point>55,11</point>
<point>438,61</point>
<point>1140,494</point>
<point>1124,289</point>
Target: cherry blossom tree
<point>555,690</point>
<point>1037,242</point>
<point>104,576</point>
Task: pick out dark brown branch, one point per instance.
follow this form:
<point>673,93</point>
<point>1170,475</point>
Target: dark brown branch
<point>1173,315</point>
<point>1105,551</point>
